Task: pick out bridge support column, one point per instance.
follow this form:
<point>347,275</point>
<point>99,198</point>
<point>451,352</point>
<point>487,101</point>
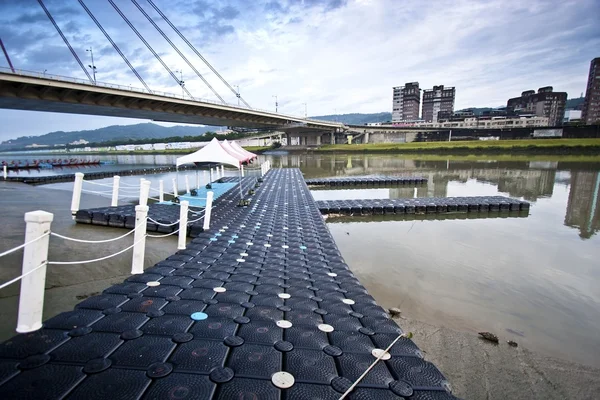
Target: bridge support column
<point>288,138</point>
<point>332,136</point>
<point>366,137</point>
<point>319,140</point>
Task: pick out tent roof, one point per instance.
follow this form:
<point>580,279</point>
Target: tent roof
<point>240,149</point>
<point>227,147</point>
<point>211,154</point>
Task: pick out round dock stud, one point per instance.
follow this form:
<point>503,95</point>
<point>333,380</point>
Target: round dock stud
<point>378,352</point>
<point>282,379</point>
<point>325,328</point>
<point>284,324</point>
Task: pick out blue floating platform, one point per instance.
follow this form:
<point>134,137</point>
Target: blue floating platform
<point>200,200</point>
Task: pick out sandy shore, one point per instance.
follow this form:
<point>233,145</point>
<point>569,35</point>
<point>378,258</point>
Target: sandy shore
<point>478,369</point>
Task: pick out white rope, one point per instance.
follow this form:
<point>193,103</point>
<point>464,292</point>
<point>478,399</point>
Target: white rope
<point>161,224</point>
<point>195,220</point>
<point>23,245</point>
<point>160,236</point>
<point>97,259</point>
<point>98,183</point>
<point>22,276</point>
<point>129,184</point>
<point>360,378</point>
<point>97,241</point>
<point>96,192</point>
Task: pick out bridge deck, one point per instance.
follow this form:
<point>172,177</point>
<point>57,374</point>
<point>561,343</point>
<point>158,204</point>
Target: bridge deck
<point>266,290</point>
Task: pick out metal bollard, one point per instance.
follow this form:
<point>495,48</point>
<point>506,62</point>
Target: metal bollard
<point>242,166</point>
<point>144,192</point>
<point>183,218</point>
<point>222,171</point>
<point>207,210</point>
<point>139,238</point>
<point>161,191</point>
<point>31,297</point>
<point>197,180</point>
<point>115,193</point>
<point>77,186</point>
<point>187,184</point>
<point>175,191</point>
<point>5,171</point>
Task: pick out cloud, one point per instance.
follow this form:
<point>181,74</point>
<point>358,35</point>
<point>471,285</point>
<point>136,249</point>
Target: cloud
<point>331,54</point>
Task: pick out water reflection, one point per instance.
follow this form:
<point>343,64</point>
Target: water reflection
<point>583,207</point>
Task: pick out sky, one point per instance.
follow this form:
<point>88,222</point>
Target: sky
<point>337,56</point>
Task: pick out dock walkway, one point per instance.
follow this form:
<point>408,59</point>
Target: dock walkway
<point>264,291</point>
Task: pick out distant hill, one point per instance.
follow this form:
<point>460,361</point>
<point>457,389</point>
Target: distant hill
<point>109,133</point>
<point>356,118</point>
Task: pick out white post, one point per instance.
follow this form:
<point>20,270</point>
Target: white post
<point>187,184</point>
<point>209,199</point>
<point>222,171</point>
<point>210,176</point>
<point>161,191</point>
<point>197,180</point>
<point>139,250</point>
<point>242,170</point>
<point>5,171</point>
<point>144,191</point>
<point>218,171</point>
<point>76,193</point>
<point>204,175</point>
<point>183,218</point>
<point>115,193</point>
<point>31,297</point>
<point>175,191</point>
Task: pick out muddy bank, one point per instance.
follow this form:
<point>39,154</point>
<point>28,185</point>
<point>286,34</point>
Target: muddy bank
<point>478,369</point>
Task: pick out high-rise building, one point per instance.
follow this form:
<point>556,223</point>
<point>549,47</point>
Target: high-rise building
<point>438,99</point>
<point>406,102</point>
<point>591,104</point>
<point>544,103</point>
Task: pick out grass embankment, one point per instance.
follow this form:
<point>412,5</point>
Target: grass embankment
<point>252,149</point>
<point>539,146</point>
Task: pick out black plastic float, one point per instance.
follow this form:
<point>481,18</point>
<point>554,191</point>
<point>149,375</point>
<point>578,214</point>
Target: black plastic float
<point>263,296</point>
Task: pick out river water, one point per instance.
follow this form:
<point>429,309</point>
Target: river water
<point>531,278</point>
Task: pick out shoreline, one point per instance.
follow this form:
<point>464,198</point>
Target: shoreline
<point>478,369</point>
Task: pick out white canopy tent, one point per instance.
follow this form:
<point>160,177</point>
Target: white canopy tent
<point>210,155</point>
<point>240,149</point>
<point>237,154</point>
<point>213,154</point>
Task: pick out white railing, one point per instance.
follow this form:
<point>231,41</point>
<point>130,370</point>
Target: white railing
<point>36,245</point>
<point>45,75</point>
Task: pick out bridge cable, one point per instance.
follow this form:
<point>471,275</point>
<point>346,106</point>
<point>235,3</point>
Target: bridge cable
<point>177,50</point>
<point>64,38</point>
<point>197,52</point>
<point>7,57</point>
<point>150,48</point>
<point>115,46</point>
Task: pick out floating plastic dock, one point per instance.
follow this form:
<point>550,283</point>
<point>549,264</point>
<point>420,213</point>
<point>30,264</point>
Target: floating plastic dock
<point>423,205</point>
<point>165,214</point>
<point>90,175</point>
<point>367,181</point>
<point>262,306</point>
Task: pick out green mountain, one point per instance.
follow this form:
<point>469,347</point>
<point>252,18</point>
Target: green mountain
<point>356,118</point>
<point>110,133</point>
